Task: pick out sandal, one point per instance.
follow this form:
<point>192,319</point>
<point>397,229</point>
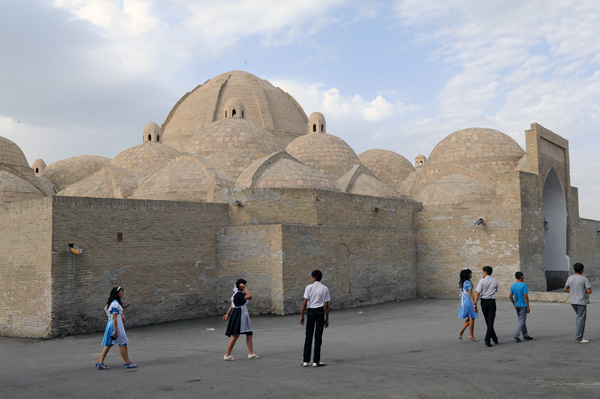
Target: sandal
<point>228,358</point>
<point>130,365</point>
<point>102,366</point>
<point>253,356</point>
<point>473,339</point>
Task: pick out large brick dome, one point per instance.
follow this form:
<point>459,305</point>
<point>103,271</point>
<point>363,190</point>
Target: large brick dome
<point>265,105</point>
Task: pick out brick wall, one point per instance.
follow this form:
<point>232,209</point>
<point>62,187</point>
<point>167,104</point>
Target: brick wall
<point>166,260</point>
<point>360,266</point>
<point>448,241</point>
<point>25,265</point>
<point>253,253</point>
<point>587,248</point>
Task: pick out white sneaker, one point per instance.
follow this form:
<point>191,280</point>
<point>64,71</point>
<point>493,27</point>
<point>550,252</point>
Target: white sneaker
<point>584,341</point>
<point>319,364</point>
<point>305,364</point>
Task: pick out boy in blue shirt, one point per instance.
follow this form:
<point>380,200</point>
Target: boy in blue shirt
<point>520,298</point>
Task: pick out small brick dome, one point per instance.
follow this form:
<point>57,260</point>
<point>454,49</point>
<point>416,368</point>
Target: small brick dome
<point>475,145</point>
<point>71,170</point>
<point>281,170</point>
<point>387,166</point>
<point>324,152</point>
<point>185,178</point>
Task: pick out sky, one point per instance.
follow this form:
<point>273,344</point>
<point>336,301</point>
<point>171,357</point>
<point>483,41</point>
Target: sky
<point>83,77</point>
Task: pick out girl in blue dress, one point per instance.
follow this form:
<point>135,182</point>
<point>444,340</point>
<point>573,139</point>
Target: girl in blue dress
<point>467,310</point>
<point>115,329</point>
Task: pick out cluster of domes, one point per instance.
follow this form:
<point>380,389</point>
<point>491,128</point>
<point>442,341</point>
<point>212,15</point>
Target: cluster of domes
<point>239,131</point>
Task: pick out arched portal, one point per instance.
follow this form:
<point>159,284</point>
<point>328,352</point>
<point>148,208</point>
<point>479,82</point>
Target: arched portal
<point>555,238</point>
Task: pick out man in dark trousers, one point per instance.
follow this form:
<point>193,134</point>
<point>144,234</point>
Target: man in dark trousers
<point>487,288</point>
<point>316,304</point>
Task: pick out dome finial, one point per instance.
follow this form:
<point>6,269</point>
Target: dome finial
<point>316,123</point>
<point>234,108</point>
<point>152,133</point>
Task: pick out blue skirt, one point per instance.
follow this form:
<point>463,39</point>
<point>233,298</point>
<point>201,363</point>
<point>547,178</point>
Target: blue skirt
<point>466,310</point>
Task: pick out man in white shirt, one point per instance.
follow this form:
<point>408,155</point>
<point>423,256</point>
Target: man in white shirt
<point>487,288</point>
<point>316,304</point>
<point>579,287</point>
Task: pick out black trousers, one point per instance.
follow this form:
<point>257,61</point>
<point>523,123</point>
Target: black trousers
<point>488,307</point>
<point>315,323</point>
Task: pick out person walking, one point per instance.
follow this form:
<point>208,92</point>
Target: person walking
<point>467,310</point>
<point>519,296</point>
<point>579,288</point>
<point>115,329</point>
<point>316,304</point>
<point>487,288</point>
<point>239,320</point>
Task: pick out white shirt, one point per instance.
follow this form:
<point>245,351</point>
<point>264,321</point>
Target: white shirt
<point>487,287</point>
<point>317,294</point>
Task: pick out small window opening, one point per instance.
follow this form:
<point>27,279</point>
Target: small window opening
<point>314,128</point>
<point>242,113</point>
<point>421,163</point>
<point>149,137</point>
<point>321,128</point>
<point>225,114</point>
<point>37,170</point>
<point>232,113</point>
<point>158,137</point>
<point>119,236</point>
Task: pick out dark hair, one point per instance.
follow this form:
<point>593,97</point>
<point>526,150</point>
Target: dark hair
<point>464,276</point>
<point>114,296</point>
<point>578,267</point>
<point>240,281</point>
<point>488,270</point>
<point>317,275</point>
<point>518,275</point>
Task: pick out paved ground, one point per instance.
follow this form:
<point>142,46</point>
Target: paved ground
<point>406,349</point>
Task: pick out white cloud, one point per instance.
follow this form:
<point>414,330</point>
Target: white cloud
<point>116,17</point>
<point>335,106</point>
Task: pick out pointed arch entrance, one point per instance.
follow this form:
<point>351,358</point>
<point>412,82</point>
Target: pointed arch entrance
<point>555,237</point>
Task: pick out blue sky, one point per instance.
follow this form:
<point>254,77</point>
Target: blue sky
<point>85,76</point>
